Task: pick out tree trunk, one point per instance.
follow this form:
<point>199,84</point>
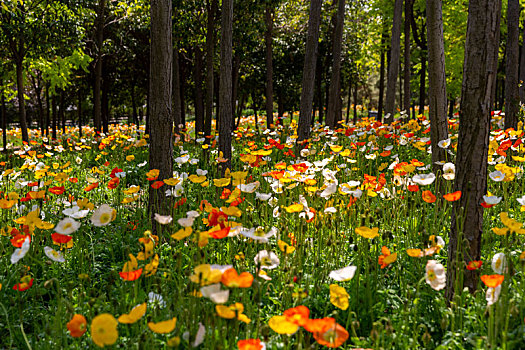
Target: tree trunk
<point>406,77</point>
<point>61,114</point>
<point>393,66</point>
<point>381,78</point>
<point>48,106</point>
<point>99,41</point>
<point>21,100</point>
<point>422,76</point>
<point>182,92</point>
<point>79,110</point>
<point>105,103</point>
<point>319,88</point>
<point>451,109</point>
<point>210,52</point>
<point>335,85</point>
<point>54,116</point>
<point>481,51</point>
<point>269,65</point>
<point>37,86</point>
<point>161,144</point>
<point>348,102</point>
<point>355,101</point>
<point>437,90</point>
<point>522,68</point>
<point>225,86</point>
<point>199,101</point>
<point>512,65</point>
<point>4,121</point>
<point>236,66</point>
<point>177,103</point>
<point>310,59</point>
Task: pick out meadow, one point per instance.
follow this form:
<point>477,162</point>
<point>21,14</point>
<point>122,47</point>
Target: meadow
<point>343,244</point>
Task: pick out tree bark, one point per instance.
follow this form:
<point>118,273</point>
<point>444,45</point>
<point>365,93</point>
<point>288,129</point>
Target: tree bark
<point>61,115</point>
<point>99,41</point>
<point>225,85</point>
<point>177,103</point>
<point>199,101</point>
<point>307,90</point>
<point>269,65</point>
<point>522,69</point>
<point>512,65</point>
<point>422,84</point>
<point>381,78</point>
<point>48,106</point>
<point>54,116</point>
<point>4,121</point>
<point>335,85</point>
<point>393,66</point>
<point>481,51</point>
<point>105,103</point>
<point>236,66</point>
<point>21,100</point>
<point>210,52</point>
<point>406,75</point>
<point>79,110</point>
<point>437,90</point>
<point>161,60</point>
<point>355,101</point>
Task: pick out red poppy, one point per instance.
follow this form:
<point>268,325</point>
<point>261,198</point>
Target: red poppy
<point>333,337</point>
<point>219,234</point>
<point>32,184</point>
<point>91,186</point>
<point>18,240</point>
<point>60,239</point>
<point>115,171</point>
<point>474,265</point>
<point>428,197</point>
<point>113,183</point>
<point>413,188</point>
<point>249,344</point>
<point>225,193</point>
<point>106,163</point>
<point>217,217</point>
<point>157,184</point>
<point>298,315</point>
<point>73,180</point>
<point>57,190</point>
<point>452,197</point>
<point>492,281</point>
<point>23,285</point>
<point>131,275</point>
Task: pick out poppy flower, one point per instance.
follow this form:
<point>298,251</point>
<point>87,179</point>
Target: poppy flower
<point>282,325</point>
<point>217,217</point>
<point>113,183</point>
<point>492,281</point>
<point>251,344</point>
<point>386,258</point>
<point>413,188</point>
<point>332,337</point>
<point>131,275</point>
<point>435,275</point>
<point>367,232</point>
<point>104,330</point>
<point>232,311</point>
<point>163,327</point>
<point>452,197</point>
<point>134,315</point>
<point>60,239</point>
<point>157,184</point>
<point>18,240</point>
<point>77,326</point>
<point>319,325</point>
<point>25,283</point>
<point>428,197</point>
<point>103,215</point>
<point>298,315</point>
<point>91,186</point>
<point>474,265</point>
<point>218,233</point>
<point>339,297</point>
<point>57,190</point>
<point>230,278</point>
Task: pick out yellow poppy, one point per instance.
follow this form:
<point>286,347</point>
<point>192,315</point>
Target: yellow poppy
<point>134,315</point>
<point>163,327</point>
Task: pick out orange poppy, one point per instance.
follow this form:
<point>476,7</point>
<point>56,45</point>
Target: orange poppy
<point>333,337</point>
<point>319,325</point>
<point>298,315</point>
<point>474,265</point>
<point>131,275</point>
<point>452,197</point>
<point>413,188</point>
<point>218,233</point>
<point>428,197</point>
<point>77,326</point>
<point>250,344</point>
<point>113,183</point>
<point>91,186</point>
<point>492,281</point>
<point>57,190</point>
<point>18,240</point>
<point>217,217</point>
<point>25,284</point>
<point>157,184</point>
<point>60,239</point>
<point>73,180</point>
<point>230,278</point>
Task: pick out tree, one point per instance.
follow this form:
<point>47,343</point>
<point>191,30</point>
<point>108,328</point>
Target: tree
<point>481,51</point>
<point>307,90</point>
<point>512,65</point>
<point>406,72</point>
<point>99,42</point>
<point>225,87</point>
<point>161,148</point>
<point>393,65</point>
<point>333,113</point>
<point>437,90</point>
<point>268,15</point>
<point>211,9</point>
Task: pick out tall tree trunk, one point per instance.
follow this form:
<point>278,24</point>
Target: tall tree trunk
<point>161,122</point>
<point>210,52</point>
<point>177,103</point>
<point>199,101</point>
<point>381,77</point>
<point>451,108</point>
<point>61,114</point>
<point>393,66</point>
<point>134,114</point>
<point>512,65</point>
<point>269,65</point>
<point>182,67</point>
<point>437,90</point>
<point>406,76</point>
<point>79,110</point>
<point>236,66</point>
<point>48,107</point>
<point>319,88</point>
<point>54,116</point>
<point>99,42</point>
<point>335,86</point>
<point>4,121</point>
<point>37,86</point>
<point>348,102</point>
<point>21,100</point>
<point>225,87</point>
<point>522,68</point>
<point>105,103</point>
<point>494,97</point>
<point>422,76</point>
<point>310,59</point>
<point>481,51</point>
<point>356,86</point>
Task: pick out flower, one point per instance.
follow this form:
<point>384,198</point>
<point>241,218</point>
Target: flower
<point>232,311</point>
<point>231,279</point>
<point>251,344</point>
<point>332,337</point>
<point>492,295</point>
<point>104,330</point>
<point>282,325</point>
<point>497,176</point>
<point>205,275</point>
<point>215,294</point>
<point>103,215</point>
<point>452,197</point>
<point>134,315</point>
<point>25,283</point>
<point>386,258</point>
<point>424,179</point>
<point>67,226</point>
<point>428,197</point>
<point>474,265</point>
<point>339,297</point>
<point>499,263</point>
<point>444,143</point>
<point>266,260</point>
<point>435,275</point>
<point>54,255</point>
<point>492,281</point>
<point>344,274</point>
<point>259,234</point>
<point>366,232</point>
<point>163,327</point>
<point>19,253</point>
<point>156,300</point>
<point>449,171</point>
<point>163,219</point>
<point>77,326</point>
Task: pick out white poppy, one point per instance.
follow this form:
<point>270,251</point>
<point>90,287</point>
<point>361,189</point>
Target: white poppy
<point>344,274</point>
<point>102,215</point>
<point>492,295</point>
<point>499,263</point>
<point>424,179</point>
<point>266,260</point>
<point>497,176</point>
<point>67,226</point>
<point>19,253</point>
<point>163,219</point>
<point>435,275</point>
<point>54,255</point>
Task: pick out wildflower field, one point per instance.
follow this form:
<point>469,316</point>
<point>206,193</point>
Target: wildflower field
<point>343,244</point>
